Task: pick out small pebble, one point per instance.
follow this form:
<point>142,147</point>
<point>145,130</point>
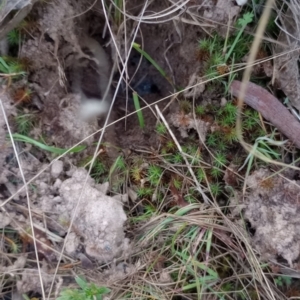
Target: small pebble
<point>57,183</point>
<point>56,168</point>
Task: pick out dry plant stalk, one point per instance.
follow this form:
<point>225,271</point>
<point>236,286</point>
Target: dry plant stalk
<point>270,108</point>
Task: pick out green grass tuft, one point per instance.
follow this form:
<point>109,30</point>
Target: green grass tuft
<point>13,37</point>
<point>87,291</point>
<point>161,129</point>
<point>216,189</point>
<point>24,123</point>
<point>139,113</point>
<point>219,160</point>
<point>154,174</point>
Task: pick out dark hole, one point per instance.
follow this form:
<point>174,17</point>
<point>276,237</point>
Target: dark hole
<point>249,228</point>
<point>48,38</point>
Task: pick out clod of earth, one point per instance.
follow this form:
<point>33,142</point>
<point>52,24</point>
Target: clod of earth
<point>272,208</point>
<point>98,223</point>
<point>99,218</point>
<point>270,108</point>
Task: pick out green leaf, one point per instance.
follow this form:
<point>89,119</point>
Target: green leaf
<point>4,67</point>
<point>138,109</point>
<point>247,19</point>
<point>22,138</point>
<point>73,294</point>
<point>137,47</point>
<point>81,282</point>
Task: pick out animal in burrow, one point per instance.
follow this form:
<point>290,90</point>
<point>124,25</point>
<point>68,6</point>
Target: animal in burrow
<point>92,72</point>
<point>91,79</point>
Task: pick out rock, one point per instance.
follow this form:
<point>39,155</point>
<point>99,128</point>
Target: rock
<point>99,218</point>
<point>57,168</point>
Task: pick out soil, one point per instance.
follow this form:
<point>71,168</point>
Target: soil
<point>97,236</point>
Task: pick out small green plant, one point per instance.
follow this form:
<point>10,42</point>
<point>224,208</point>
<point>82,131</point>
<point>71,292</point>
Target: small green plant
<point>117,183</point>
<point>215,188</point>
<point>200,174</point>
<point>98,170</point>
<point>117,173</point>
<point>229,109</point>
<point>226,287</point>
<point>227,115</point>
<point>204,44</point>
<point>283,281</point>
<point>120,164</point>
<point>136,173</point>
<point>13,37</point>
<point>24,123</point>
<point>262,148</point>
<point>10,66</point>
<point>14,246</point>
<point>242,24</point>
<point>212,139</point>
<point>170,146</point>
<point>200,110</point>
<point>219,160</point>
<point>161,128</point>
<point>177,183</point>
<point>177,158</point>
<point>154,174</point>
<point>216,59</point>
<point>144,192</point>
<point>211,74</point>
<point>193,152</point>
<point>222,144</point>
<point>227,120</point>
<point>215,43</point>
<point>215,172</point>
<point>118,16</point>
<point>18,64</point>
<point>148,212</point>
<point>87,291</point>
<point>137,106</point>
<point>230,135</point>
<point>251,119</point>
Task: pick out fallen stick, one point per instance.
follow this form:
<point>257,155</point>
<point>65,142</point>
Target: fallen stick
<point>270,108</point>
